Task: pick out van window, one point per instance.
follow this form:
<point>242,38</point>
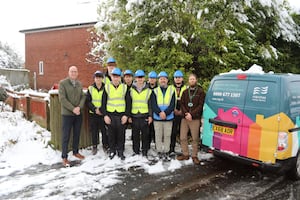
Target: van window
<point>230,92</point>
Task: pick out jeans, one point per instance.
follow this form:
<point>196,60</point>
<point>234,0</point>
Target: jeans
<point>69,122</point>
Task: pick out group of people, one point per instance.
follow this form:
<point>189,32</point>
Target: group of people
<point>156,110</point>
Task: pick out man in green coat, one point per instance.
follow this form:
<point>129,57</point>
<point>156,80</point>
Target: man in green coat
<point>72,100</point>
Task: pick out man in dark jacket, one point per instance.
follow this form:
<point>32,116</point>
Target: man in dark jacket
<point>192,101</point>
<point>115,109</point>
<point>72,100</point>
<point>140,107</point>
<point>96,121</point>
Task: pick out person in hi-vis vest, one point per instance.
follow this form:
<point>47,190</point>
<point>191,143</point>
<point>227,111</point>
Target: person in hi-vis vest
<point>179,87</point>
<point>141,118</point>
<point>163,104</point>
<point>96,121</point>
<point>116,111</point>
<point>152,83</point>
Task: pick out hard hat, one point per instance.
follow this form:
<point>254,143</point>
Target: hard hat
<point>116,71</point>
<point>110,60</point>
<point>178,73</point>
<point>139,73</point>
<point>128,72</point>
<point>98,74</point>
<point>152,74</point>
<point>162,74</point>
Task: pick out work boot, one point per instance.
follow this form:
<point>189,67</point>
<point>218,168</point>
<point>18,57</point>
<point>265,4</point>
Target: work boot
<point>167,157</point>
<point>196,161</point>
<point>144,153</point>
<point>94,151</point>
<point>79,156</point>
<point>111,155</point>
<point>182,157</point>
<point>66,162</point>
<point>105,148</point>
<point>121,155</point>
<point>160,155</point>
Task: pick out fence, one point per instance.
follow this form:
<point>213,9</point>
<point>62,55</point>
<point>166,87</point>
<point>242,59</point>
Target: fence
<point>56,125</point>
<point>34,107</point>
<point>48,115</point>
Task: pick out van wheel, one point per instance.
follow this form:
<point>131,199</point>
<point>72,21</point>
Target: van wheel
<point>294,172</point>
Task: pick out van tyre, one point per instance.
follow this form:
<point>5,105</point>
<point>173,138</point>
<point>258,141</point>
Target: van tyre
<point>294,172</point>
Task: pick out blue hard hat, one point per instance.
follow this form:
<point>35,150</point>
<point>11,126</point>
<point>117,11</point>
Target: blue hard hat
<point>178,73</point>
<point>110,60</point>
<point>139,73</point>
<point>128,72</point>
<point>162,74</point>
<point>116,71</point>
<point>152,74</point>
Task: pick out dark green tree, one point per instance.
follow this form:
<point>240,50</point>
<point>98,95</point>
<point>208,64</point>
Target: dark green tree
<point>204,37</point>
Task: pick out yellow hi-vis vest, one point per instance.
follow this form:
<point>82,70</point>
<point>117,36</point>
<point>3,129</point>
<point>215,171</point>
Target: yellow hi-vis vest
<point>181,91</point>
<point>163,101</point>
<point>106,80</point>
<point>116,97</point>
<point>140,100</point>
<point>96,97</point>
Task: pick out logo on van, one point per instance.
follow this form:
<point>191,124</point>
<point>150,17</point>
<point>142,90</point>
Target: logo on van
<point>235,113</point>
<point>260,90</point>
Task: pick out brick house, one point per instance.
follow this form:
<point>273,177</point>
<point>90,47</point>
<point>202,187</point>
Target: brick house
<point>50,51</point>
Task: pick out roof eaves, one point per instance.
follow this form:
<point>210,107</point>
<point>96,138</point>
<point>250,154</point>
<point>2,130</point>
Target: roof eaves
<point>51,28</point>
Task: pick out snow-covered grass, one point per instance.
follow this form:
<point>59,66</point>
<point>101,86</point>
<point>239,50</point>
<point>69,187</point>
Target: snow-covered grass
<point>28,161</point>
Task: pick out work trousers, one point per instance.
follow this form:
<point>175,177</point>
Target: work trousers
<point>151,133</point>
<point>70,122</point>
<point>116,134</point>
<point>194,127</point>
<point>96,124</point>
<point>140,130</point>
<point>175,131</point>
<point>163,131</point>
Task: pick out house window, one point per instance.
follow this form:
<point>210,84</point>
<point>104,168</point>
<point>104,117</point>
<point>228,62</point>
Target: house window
<point>41,68</point>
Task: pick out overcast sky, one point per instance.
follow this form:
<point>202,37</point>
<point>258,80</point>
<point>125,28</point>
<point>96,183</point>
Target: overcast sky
<point>16,15</point>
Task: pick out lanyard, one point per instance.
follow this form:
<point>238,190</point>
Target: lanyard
<point>190,104</point>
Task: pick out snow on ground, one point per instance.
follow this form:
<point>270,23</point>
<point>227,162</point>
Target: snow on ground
<point>30,168</point>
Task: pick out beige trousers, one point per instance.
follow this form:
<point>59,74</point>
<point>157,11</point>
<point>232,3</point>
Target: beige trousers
<point>194,127</point>
<point>163,130</point>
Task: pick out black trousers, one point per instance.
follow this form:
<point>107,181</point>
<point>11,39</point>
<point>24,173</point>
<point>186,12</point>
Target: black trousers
<point>140,131</point>
<point>96,124</point>
<point>175,131</point>
<point>69,123</point>
<point>116,134</point>
<point>151,133</point>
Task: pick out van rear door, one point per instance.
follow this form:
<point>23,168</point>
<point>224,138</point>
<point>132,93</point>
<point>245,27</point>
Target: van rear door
<point>224,113</point>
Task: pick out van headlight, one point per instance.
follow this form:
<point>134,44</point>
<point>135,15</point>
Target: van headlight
<point>282,141</point>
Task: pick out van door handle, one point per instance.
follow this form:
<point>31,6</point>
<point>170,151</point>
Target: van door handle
<point>222,123</point>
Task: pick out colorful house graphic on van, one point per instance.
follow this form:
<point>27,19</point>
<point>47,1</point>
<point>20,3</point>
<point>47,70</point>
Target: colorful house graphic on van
<point>238,142</point>
<point>255,139</point>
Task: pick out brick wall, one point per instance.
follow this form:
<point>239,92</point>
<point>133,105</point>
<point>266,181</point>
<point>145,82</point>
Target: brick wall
<point>58,49</point>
